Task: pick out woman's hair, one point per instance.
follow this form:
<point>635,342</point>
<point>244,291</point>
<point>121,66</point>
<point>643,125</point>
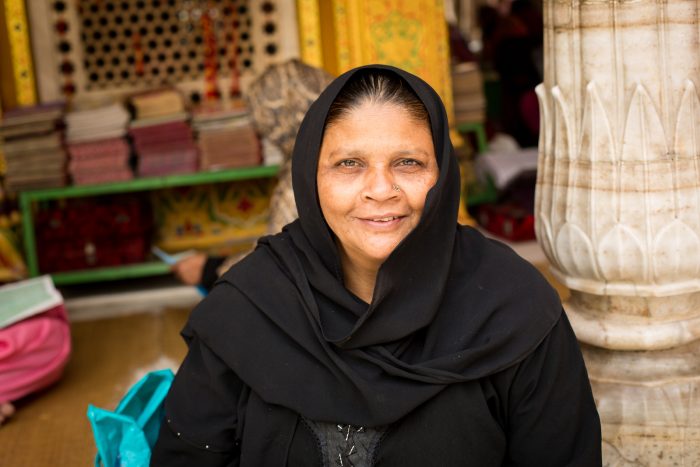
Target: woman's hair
<point>377,87</point>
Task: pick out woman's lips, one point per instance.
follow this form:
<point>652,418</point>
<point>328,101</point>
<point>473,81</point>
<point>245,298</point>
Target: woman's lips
<point>383,221</point>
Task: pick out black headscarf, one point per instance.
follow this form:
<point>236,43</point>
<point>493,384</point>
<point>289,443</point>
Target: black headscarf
<point>449,305</point>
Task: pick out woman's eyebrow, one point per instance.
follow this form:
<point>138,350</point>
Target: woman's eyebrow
<point>347,152</point>
<point>358,152</point>
<point>411,152</point>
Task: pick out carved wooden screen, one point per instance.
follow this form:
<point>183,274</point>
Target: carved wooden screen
<point>100,47</point>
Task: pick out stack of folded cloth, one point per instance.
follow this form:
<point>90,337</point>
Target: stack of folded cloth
<point>468,93</point>
<point>161,134</point>
<point>164,146</point>
<point>156,103</point>
<point>31,139</point>
<point>99,153</point>
<point>226,138</point>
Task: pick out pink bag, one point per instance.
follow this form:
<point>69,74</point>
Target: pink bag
<point>33,353</point>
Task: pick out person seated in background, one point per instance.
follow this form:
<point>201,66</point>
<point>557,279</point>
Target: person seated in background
<point>278,100</point>
<point>33,353</point>
<point>374,329</point>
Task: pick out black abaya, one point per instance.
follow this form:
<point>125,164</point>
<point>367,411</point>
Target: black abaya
<point>464,353</point>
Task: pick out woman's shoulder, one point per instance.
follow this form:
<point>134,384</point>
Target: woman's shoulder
<point>260,260</point>
<point>493,256</point>
<point>259,280</point>
<point>498,272</point>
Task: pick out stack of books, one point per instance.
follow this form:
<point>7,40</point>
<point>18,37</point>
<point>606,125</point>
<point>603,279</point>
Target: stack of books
<point>226,138</point>
<point>31,140</point>
<point>164,146</point>
<point>161,134</point>
<point>156,103</point>
<point>468,93</point>
<point>96,141</point>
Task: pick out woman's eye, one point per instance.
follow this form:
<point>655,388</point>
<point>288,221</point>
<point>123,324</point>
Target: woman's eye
<point>348,163</point>
<point>409,162</point>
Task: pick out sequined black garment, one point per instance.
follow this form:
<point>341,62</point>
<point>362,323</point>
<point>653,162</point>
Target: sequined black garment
<point>344,445</point>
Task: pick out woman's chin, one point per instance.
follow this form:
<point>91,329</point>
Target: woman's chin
<point>379,254</point>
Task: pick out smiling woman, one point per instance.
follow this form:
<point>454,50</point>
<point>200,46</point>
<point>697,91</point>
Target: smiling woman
<point>374,330</point>
<point>376,165</point>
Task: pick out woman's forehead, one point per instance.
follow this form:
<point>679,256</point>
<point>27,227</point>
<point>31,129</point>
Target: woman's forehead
<point>369,109</point>
<point>377,131</point>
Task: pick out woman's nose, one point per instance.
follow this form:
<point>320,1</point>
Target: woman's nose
<point>379,184</point>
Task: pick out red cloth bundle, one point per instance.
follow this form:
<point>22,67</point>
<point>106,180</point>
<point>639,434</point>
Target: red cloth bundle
<point>101,161</point>
<point>165,148</point>
<point>165,163</point>
<point>106,175</point>
<point>102,148</point>
<point>93,233</point>
<point>171,131</point>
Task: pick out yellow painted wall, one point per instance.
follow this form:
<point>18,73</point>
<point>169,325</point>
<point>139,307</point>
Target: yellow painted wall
<point>410,34</point>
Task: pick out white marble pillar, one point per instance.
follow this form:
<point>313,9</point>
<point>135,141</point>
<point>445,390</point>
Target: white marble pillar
<point>618,212</point>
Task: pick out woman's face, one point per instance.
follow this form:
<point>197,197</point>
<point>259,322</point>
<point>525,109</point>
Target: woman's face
<point>364,157</point>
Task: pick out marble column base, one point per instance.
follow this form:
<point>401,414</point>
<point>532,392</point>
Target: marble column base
<point>634,323</point>
<point>642,359</point>
<point>649,404</point>
<point>647,446</point>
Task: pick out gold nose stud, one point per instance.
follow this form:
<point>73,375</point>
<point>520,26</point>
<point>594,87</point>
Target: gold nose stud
<point>396,187</point>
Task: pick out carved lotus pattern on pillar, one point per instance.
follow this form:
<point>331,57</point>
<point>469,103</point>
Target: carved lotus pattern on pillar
<point>619,212</point>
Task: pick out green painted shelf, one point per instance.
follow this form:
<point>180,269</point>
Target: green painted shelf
<point>27,198</point>
<point>151,183</point>
<point>127,271</point>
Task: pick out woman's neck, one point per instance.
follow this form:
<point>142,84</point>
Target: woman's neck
<point>359,278</point>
